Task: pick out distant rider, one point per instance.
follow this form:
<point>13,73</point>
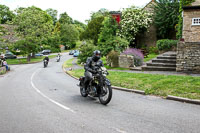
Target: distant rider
<point>91,64</point>
<point>46,58</point>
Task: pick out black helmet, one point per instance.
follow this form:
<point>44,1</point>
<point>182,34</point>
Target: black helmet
<point>96,55</point>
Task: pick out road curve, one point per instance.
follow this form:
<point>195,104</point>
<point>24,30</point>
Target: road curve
<point>34,99</point>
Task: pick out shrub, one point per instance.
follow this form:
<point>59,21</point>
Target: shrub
<point>115,43</point>
<point>138,56</point>
<point>86,51</point>
<point>112,59</point>
<point>153,50</point>
<point>166,44</point>
<point>55,50</point>
<point>71,45</point>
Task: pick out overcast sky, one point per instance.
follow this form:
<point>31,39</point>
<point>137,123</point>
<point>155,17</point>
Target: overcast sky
<point>77,9</point>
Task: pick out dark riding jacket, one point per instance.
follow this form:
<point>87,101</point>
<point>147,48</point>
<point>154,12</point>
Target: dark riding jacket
<point>91,64</point>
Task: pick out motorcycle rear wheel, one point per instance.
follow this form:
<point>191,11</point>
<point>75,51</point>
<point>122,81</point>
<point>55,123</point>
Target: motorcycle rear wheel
<point>106,96</point>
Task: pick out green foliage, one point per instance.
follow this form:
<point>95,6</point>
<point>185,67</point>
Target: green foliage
<point>108,40</point>
<point>34,26</point>
<point>166,17</point>
<point>2,70</point>
<point>166,44</point>
<point>69,35</point>
<point>25,46</point>
<point>5,14</point>
<point>179,27</point>
<point>108,30</point>
<point>153,50</point>
<point>134,21</point>
<point>101,13</point>
<point>65,19</point>
<point>93,29</point>
<point>80,27</point>
<point>112,58</point>
<point>54,50</point>
<point>86,50</point>
<point>53,13</point>
<point>53,40</point>
<point>114,43</point>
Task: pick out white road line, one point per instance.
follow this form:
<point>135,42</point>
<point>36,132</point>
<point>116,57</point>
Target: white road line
<point>51,100</point>
<point>118,130</point>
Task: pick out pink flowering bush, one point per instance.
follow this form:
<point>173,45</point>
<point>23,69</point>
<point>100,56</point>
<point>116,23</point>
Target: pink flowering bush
<point>138,56</point>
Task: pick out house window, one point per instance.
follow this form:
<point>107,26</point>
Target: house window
<point>195,21</point>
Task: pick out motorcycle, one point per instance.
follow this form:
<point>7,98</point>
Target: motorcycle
<point>99,86</point>
<point>58,58</point>
<point>45,63</point>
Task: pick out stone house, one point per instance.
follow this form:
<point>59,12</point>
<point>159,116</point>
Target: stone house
<point>149,37</point>
<point>188,49</point>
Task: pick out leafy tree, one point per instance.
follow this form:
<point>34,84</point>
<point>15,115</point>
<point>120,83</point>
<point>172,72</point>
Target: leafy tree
<point>82,25</point>
<point>69,35</point>
<point>34,26</point>
<point>53,13</point>
<point>134,21</point>
<point>79,26</point>
<point>101,13</point>
<point>65,19</point>
<point>107,38</point>
<point>5,14</point>
<point>93,29</point>
<point>108,30</point>
<point>19,10</point>
<point>86,50</point>
<point>166,17</point>
<point>115,43</point>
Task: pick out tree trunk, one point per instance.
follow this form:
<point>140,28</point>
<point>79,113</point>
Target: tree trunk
<point>29,58</point>
<point>33,55</point>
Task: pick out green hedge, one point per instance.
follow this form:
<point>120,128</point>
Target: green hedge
<point>166,44</point>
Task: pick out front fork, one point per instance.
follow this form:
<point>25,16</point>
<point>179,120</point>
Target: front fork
<point>105,82</point>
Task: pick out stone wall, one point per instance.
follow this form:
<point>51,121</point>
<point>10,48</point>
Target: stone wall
<point>196,3</point>
<point>126,61</point>
<point>191,33</point>
<point>188,57</point>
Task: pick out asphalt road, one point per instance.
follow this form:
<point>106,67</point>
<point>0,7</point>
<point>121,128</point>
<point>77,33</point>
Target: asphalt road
<point>34,99</point>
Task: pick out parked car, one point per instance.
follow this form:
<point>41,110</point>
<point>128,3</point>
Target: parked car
<point>71,52</point>
<point>10,56</point>
<point>39,54</point>
<point>76,53</point>
<point>45,52</point>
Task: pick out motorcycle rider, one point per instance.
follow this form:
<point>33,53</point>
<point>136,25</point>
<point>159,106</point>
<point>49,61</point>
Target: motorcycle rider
<point>58,57</point>
<point>46,58</point>
<point>91,64</point>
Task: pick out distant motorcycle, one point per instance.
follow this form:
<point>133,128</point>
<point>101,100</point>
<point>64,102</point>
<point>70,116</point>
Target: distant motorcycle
<point>58,58</point>
<point>99,86</point>
<point>45,63</point>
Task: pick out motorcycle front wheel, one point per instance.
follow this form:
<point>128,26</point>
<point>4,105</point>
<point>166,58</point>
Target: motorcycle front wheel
<point>106,95</point>
<point>83,91</point>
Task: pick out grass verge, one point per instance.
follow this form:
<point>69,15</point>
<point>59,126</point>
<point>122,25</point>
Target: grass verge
<point>24,60</point>
<point>68,63</point>
<point>154,84</point>
<point>150,56</point>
